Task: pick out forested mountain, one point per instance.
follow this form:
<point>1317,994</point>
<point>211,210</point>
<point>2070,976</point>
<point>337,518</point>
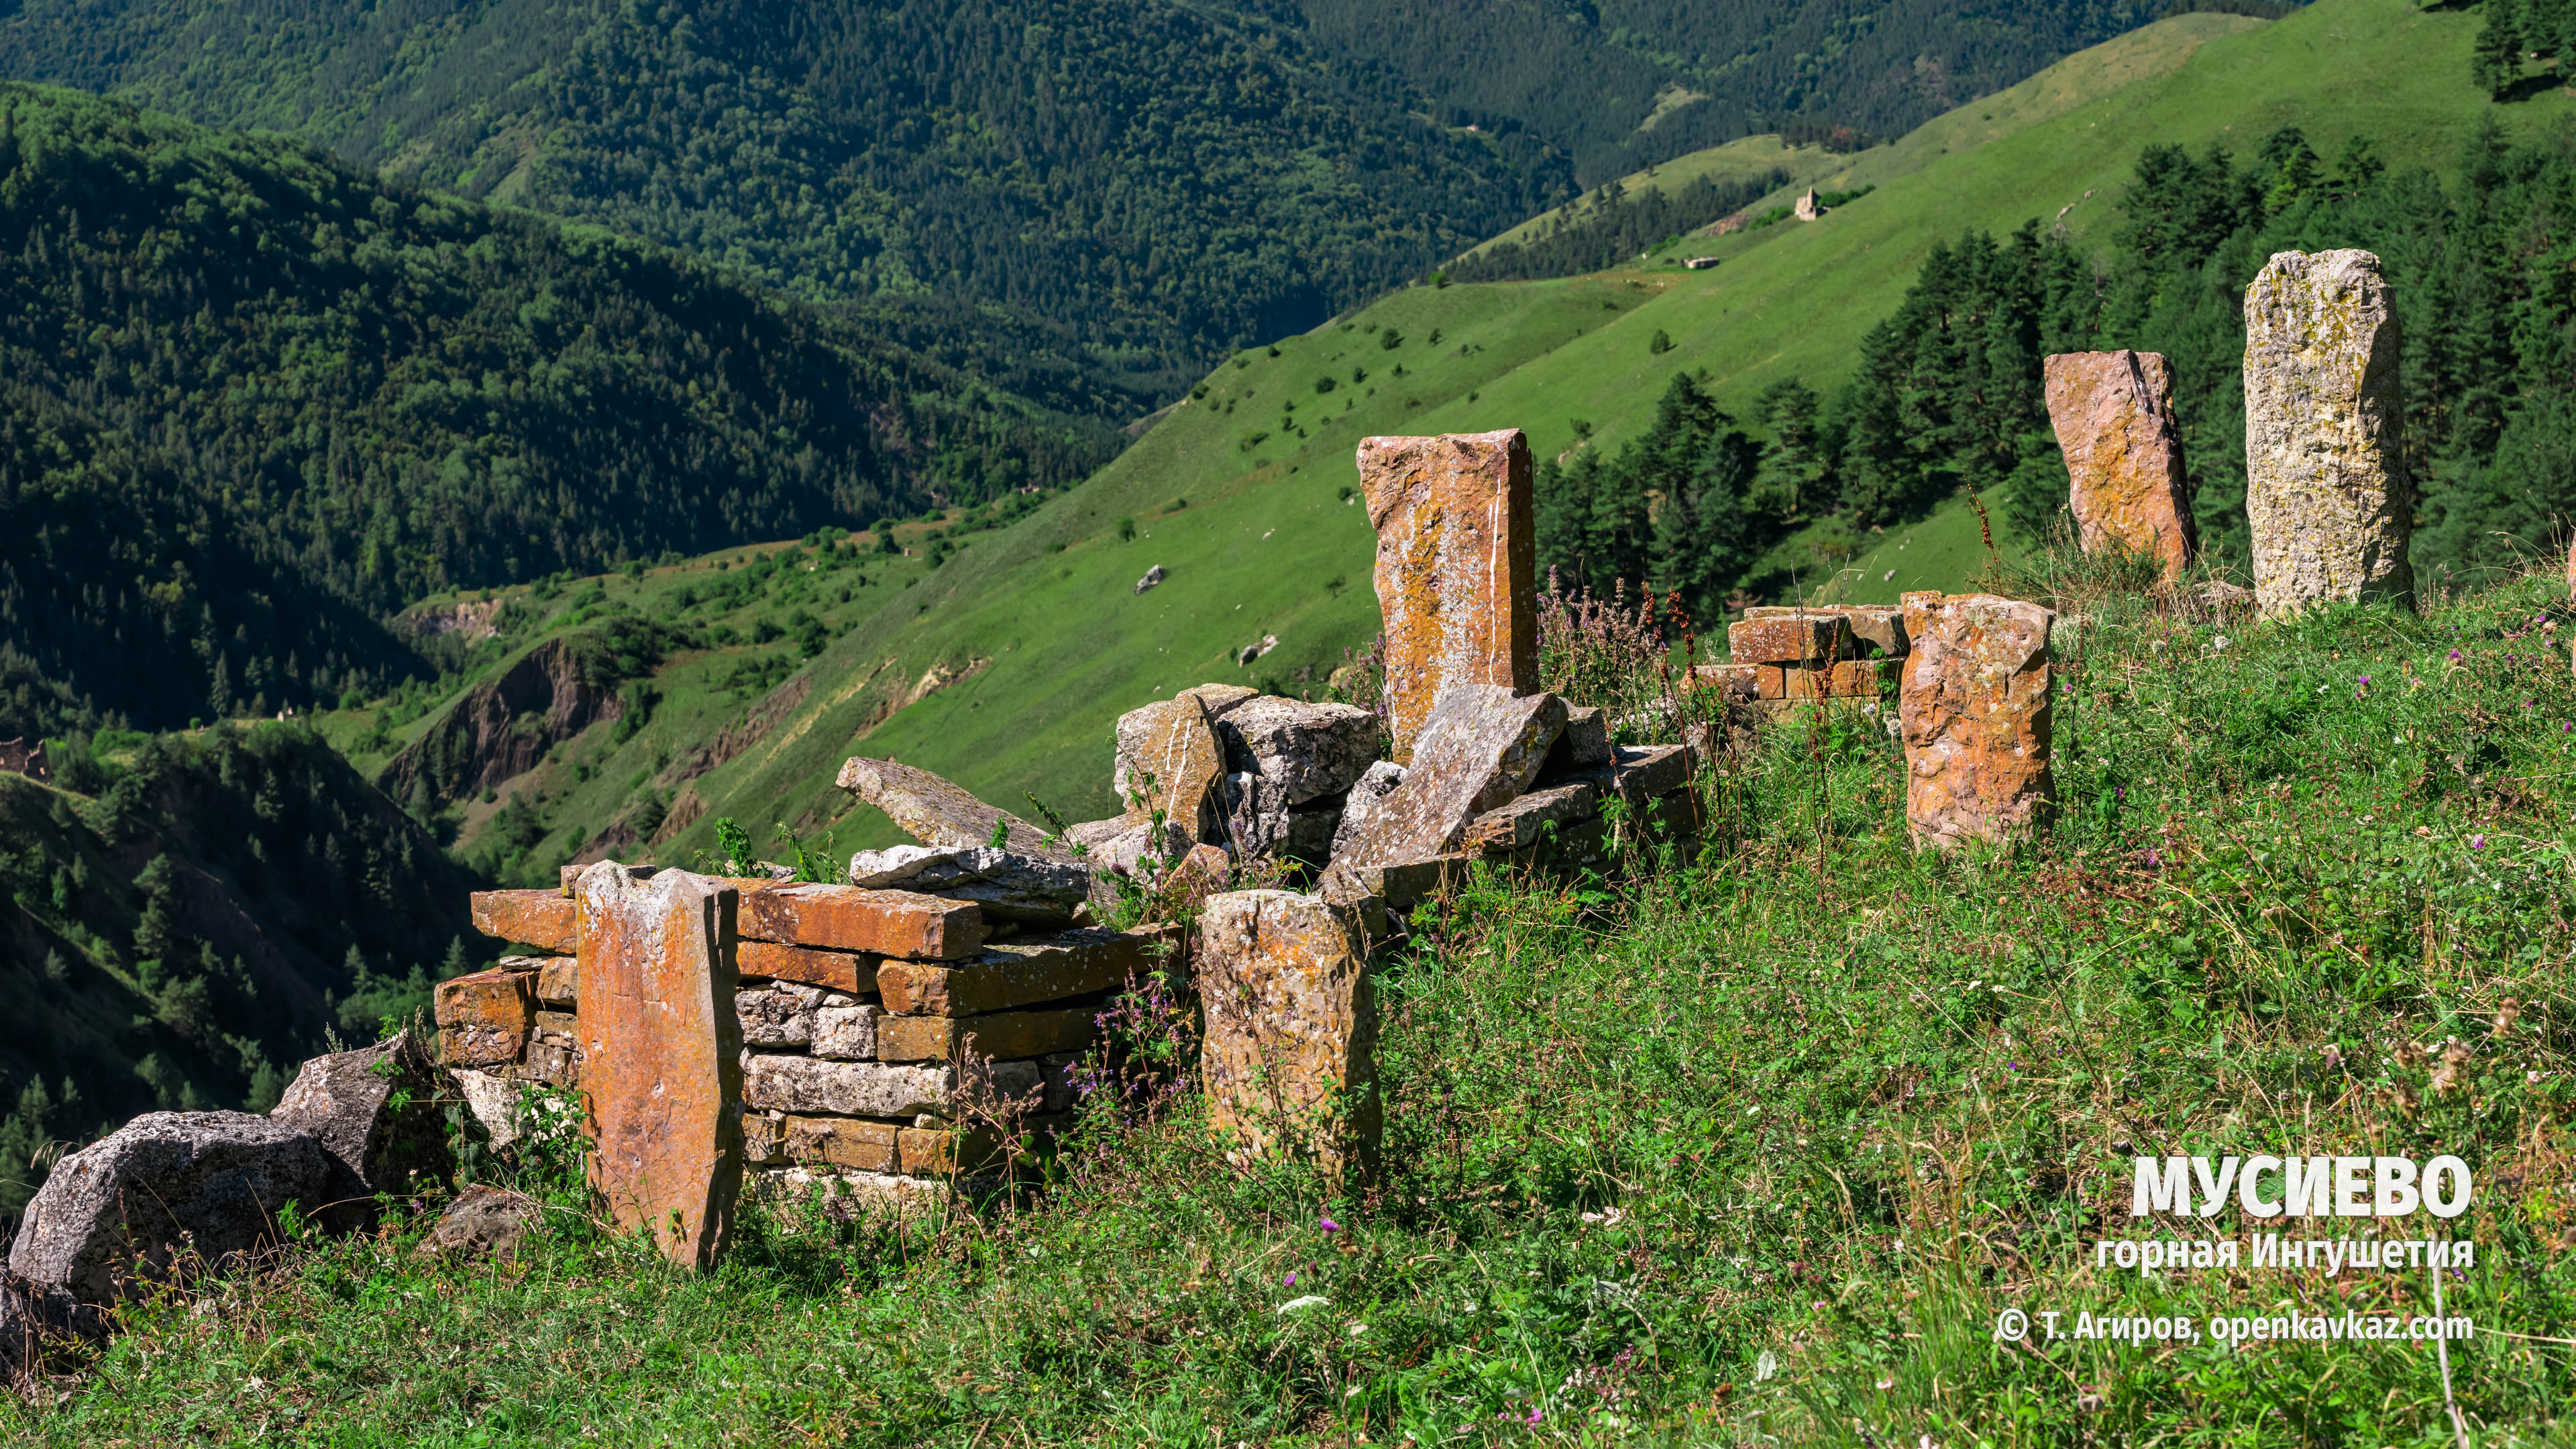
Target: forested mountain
<point>190,917</point>
<point>1086,204</point>
<point>252,403</point>
<point>1621,84</point>
<point>1150,184</point>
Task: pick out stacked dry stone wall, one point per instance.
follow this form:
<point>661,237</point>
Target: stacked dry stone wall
<point>1783,657</point>
<point>888,1039</point>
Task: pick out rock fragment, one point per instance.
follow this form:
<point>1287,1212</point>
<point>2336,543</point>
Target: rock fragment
<point>127,1209</point>
<point>375,1112</point>
<point>1289,1055</point>
<point>1480,747</point>
<point>1008,884</point>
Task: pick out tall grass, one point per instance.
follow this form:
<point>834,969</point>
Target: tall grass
<point>1756,1143</point>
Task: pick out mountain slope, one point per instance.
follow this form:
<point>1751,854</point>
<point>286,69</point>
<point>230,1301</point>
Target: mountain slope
<point>252,403</point>
<point>1153,183</point>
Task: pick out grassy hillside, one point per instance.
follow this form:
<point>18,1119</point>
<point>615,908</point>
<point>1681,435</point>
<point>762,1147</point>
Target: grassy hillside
<point>1760,1148</point>
<point>1053,646</point>
<point>1005,667</point>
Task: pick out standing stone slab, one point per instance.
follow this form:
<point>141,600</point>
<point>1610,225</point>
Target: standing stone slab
<point>663,1055</point>
<point>2114,416</point>
<point>2326,488</point>
<point>1457,568</point>
<point>1481,747</point>
<point>1974,713</point>
<point>1289,1056</point>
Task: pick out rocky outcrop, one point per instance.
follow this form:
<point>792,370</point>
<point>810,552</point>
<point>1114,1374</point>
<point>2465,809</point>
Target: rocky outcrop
<point>504,726</point>
<point>134,1206</point>
<point>2326,488</point>
<point>1457,568</point>
<point>2113,412</point>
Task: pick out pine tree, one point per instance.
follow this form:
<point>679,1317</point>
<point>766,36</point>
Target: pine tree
<point>2495,59</point>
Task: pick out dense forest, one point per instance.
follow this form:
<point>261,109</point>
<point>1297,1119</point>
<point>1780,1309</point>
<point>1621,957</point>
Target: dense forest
<point>193,917</point>
<point>1612,225</point>
<point>251,404</point>
<point>1152,185</point>
<point>1086,204</point>
<point>1623,84</point>
<point>1947,393</point>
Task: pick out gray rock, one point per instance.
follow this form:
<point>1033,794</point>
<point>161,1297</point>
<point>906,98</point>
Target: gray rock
<point>847,1089</point>
<point>846,1033</point>
<point>1304,751</point>
<point>1584,745</point>
<point>1480,746</point>
<point>1362,804</point>
<point>1127,850</point>
<point>1009,885</point>
<point>485,1223</point>
<point>780,1014</point>
<point>1152,577</point>
<point>123,1209</point>
<point>2327,494</point>
<point>494,1102</point>
<point>376,1113</point>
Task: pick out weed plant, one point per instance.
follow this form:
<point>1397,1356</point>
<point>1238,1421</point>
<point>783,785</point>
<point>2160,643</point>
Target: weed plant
<point>1752,1144</point>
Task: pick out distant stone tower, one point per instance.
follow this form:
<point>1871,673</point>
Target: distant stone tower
<point>1808,210</point>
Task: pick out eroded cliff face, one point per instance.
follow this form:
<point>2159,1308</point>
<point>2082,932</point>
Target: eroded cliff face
<point>503,727</point>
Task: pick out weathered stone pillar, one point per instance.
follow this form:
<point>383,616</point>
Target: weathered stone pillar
<point>662,1062</point>
<point>1974,710</point>
<point>1457,568</point>
<point>1289,1060</point>
<point>2325,481</point>
<point>2114,416</point>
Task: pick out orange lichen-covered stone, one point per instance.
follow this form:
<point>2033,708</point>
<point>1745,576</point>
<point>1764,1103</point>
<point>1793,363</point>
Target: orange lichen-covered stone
<point>778,961</point>
<point>1975,711</point>
<point>2114,416</point>
<point>841,1142</point>
<point>542,919</point>
<point>1007,1035</point>
<point>1289,1055</point>
<point>483,1019</point>
<point>1788,639</point>
<point>662,1053</point>
<point>1457,568</point>
<point>848,918</point>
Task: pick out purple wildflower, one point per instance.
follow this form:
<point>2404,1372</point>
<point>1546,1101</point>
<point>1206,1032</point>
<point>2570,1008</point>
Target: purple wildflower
<point>1330,1226</point>
<point>2455,654</point>
<point>2477,842</point>
<point>1292,1279</point>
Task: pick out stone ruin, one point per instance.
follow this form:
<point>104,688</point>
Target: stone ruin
<point>878,1038</point>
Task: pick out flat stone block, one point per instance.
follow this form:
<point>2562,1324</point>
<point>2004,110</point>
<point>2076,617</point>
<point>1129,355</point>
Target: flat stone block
<point>783,1083</point>
<point>484,1019</point>
<point>1002,1036</point>
<point>842,1142</point>
<point>543,919</point>
<point>846,918</point>
<point>841,971</point>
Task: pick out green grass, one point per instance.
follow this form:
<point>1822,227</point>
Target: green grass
<point>1759,1144</point>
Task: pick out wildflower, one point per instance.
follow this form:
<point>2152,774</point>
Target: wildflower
<point>1292,1279</point>
<point>2455,656</point>
<point>2365,681</point>
<point>1330,1226</point>
<point>2477,842</point>
<point>2218,643</point>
